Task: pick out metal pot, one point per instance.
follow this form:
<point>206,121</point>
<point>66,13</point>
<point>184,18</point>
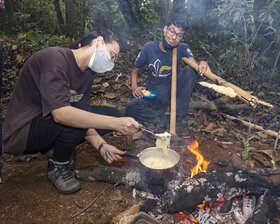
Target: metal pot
<point>152,175</point>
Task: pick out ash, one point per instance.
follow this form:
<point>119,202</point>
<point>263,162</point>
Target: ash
<point>237,210</point>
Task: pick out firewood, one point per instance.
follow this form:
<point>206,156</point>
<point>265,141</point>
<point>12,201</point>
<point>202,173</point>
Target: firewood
<point>129,213</point>
<point>242,94</point>
<point>219,104</point>
<point>254,126</point>
<point>127,177</point>
<point>206,187</point>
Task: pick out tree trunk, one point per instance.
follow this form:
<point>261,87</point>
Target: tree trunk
<point>10,13</point>
<point>59,15</point>
<point>138,13</point>
<point>163,11</point>
<point>126,9</point>
<point>69,17</point>
<point>179,7</point>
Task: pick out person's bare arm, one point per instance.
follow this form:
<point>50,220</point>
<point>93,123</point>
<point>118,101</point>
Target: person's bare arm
<point>136,91</point>
<point>107,151</point>
<point>202,65</point>
<point>74,117</point>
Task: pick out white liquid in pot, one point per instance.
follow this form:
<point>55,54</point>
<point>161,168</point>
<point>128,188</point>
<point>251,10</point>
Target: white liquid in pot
<point>157,163</point>
<point>162,162</point>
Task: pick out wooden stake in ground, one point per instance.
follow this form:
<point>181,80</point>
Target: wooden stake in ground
<point>173,93</point>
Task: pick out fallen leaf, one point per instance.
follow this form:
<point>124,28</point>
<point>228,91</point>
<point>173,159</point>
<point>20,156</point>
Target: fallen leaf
<point>109,75</point>
<point>269,152</point>
<point>105,84</point>
<point>211,126</point>
<point>98,88</point>
<point>97,80</point>
<point>218,131</point>
<point>19,58</point>
<point>249,164</point>
<point>263,160</point>
<point>110,96</point>
<point>137,135</point>
<point>116,195</point>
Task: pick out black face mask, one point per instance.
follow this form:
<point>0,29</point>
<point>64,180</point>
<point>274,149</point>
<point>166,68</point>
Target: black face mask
<point>166,45</point>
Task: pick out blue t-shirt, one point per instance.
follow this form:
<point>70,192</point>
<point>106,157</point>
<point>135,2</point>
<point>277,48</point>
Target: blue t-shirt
<point>159,62</point>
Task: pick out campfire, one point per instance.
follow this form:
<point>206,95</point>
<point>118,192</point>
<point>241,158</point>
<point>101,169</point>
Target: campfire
<point>230,197</point>
<point>200,160</point>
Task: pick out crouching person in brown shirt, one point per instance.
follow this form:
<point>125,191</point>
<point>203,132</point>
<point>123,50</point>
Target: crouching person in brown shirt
<point>50,110</point>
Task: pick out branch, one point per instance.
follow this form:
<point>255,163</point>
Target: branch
<point>250,125</point>
<point>90,204</point>
<point>274,67</point>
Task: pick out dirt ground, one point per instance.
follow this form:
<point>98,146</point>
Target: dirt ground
<point>26,196</point>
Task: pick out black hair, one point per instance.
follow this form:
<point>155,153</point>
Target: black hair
<point>107,35</point>
<point>179,20</point>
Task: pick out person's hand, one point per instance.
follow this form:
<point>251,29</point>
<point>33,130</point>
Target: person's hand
<point>127,125</point>
<point>203,67</point>
<point>137,92</point>
<point>111,153</point>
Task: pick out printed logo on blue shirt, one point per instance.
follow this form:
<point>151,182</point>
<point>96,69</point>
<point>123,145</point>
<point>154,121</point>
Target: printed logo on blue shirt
<point>189,52</point>
<point>160,71</point>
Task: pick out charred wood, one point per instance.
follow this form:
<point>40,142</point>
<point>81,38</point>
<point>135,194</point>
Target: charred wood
<point>265,210</point>
<point>136,178</point>
<point>206,187</point>
<point>113,175</point>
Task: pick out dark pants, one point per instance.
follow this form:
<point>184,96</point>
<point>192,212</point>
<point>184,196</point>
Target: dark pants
<point>145,110</point>
<point>45,134</point>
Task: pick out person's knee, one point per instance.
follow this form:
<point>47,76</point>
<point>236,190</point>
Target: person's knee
<point>74,135</point>
<point>132,107</point>
<point>113,112</point>
<point>188,75</point>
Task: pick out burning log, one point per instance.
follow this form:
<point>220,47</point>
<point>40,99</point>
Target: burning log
<point>206,187</point>
<point>132,178</point>
<point>265,209</point>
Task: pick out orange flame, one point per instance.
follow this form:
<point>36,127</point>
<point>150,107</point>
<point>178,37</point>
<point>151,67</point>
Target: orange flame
<point>200,160</point>
<point>183,216</point>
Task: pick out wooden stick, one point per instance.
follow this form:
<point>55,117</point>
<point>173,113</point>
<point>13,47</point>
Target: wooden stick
<point>242,94</point>
<point>130,211</point>
<point>173,93</point>
<point>90,204</point>
<point>255,126</point>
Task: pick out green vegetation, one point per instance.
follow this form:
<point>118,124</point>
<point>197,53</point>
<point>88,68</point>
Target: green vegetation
<point>239,39</point>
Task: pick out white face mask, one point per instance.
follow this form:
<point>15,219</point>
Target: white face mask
<point>100,61</point>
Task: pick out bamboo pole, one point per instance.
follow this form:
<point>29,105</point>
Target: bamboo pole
<point>241,94</point>
<point>173,93</point>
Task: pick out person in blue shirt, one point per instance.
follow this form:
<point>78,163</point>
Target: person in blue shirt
<point>157,55</point>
